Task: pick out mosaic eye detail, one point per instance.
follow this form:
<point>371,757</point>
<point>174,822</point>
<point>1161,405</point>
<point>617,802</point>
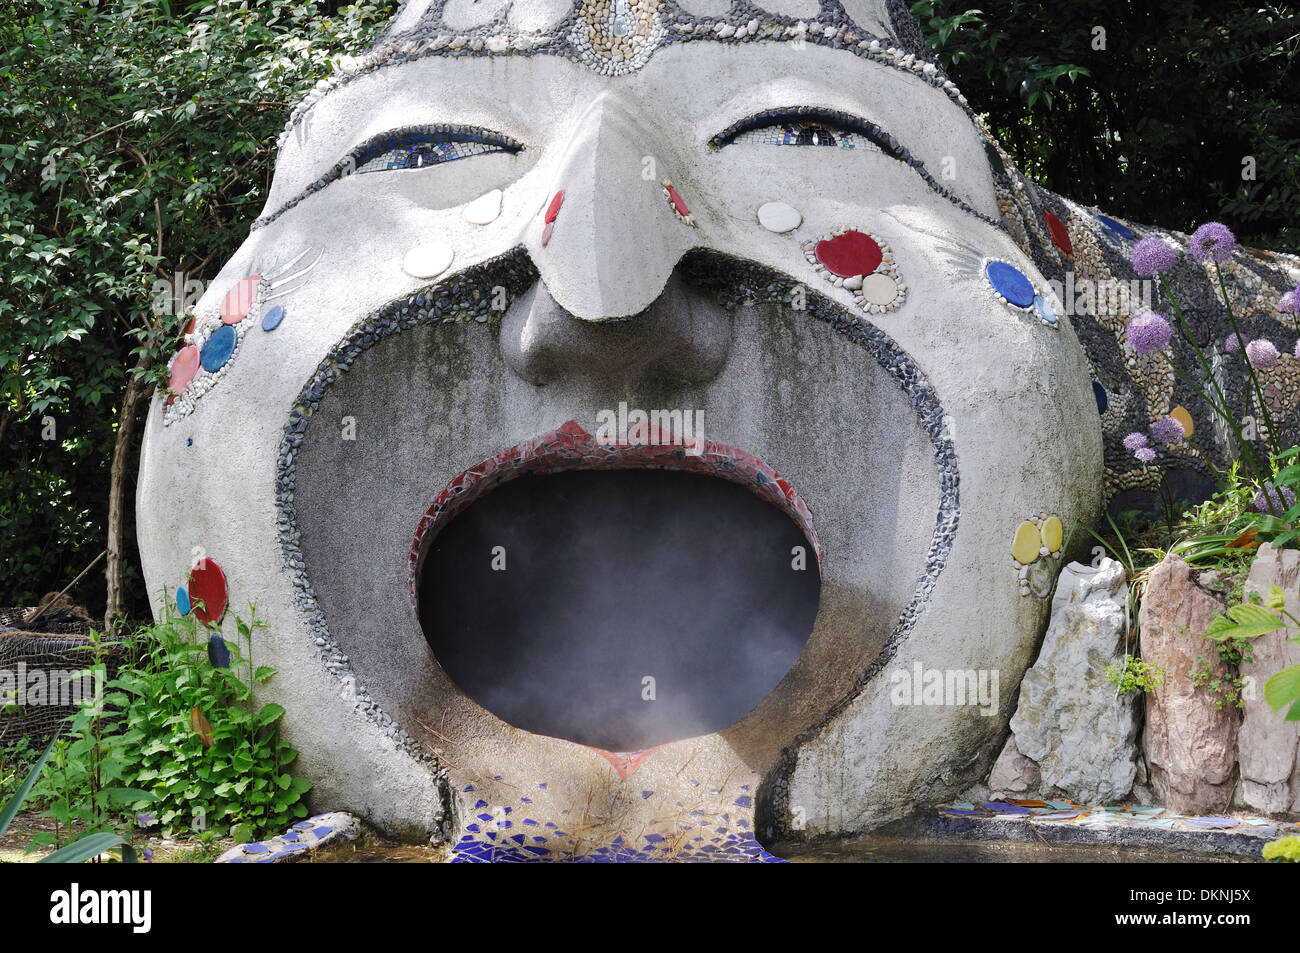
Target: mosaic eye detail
<point>807,126</point>
<point>808,134</point>
<point>426,146</point>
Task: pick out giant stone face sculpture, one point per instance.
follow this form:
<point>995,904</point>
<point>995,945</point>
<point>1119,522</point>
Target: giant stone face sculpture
<point>498,236</point>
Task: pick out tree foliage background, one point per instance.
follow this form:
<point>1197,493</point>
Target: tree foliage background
<point>1155,118</point>
<point>137,141</point>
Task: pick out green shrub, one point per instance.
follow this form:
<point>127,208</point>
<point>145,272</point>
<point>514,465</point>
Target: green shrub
<point>1286,850</point>
<point>195,739</point>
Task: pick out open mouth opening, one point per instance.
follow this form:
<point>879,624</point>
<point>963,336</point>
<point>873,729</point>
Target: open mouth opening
<point>618,596</point>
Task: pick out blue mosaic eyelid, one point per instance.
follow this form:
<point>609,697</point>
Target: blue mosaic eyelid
<point>802,115</point>
<point>438,141</point>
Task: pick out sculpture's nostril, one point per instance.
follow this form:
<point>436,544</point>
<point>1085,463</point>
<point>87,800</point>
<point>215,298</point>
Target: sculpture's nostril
<point>683,336</point>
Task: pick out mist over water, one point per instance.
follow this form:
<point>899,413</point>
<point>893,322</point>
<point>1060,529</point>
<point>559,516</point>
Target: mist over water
<point>613,576</point>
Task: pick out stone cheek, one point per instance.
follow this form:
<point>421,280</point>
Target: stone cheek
<point>1191,748</point>
<point>1269,745</point>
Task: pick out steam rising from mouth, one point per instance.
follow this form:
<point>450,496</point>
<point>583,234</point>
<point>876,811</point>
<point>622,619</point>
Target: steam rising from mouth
<point>619,608</point>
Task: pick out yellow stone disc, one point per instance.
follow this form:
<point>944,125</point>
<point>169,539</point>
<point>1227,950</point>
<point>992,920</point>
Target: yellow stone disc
<point>1027,543</point>
<point>1052,534</point>
<point>1181,415</point>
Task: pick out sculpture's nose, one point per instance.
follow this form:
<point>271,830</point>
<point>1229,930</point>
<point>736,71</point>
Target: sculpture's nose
<point>607,237</point>
<point>606,241</point>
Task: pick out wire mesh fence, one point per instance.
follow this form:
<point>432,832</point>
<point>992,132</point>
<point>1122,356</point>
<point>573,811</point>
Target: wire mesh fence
<point>42,672</point>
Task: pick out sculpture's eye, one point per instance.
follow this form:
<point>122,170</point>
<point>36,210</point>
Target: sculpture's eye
<point>807,134</point>
<point>428,146</point>
<point>809,127</point>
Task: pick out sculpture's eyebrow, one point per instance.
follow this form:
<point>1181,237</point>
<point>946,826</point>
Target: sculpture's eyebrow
<point>839,119</point>
<point>392,139</point>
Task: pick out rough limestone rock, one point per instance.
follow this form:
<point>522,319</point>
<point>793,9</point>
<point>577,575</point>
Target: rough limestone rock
<point>1013,773</point>
<point>1069,719</point>
<point>1268,746</point>
<point>1191,748</point>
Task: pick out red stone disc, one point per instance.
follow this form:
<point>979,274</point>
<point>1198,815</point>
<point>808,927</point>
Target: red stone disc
<point>208,587</point>
<point>235,305</point>
<point>852,253</point>
<point>1060,234</point>
<point>184,368</point>
<point>554,209</point>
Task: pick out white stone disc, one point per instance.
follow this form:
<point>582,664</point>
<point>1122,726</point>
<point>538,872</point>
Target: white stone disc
<point>879,289</point>
<point>428,260</point>
<point>779,217</point>
<point>484,209</point>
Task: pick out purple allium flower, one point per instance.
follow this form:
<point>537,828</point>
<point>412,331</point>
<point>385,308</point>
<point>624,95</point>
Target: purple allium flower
<point>1168,430</point>
<point>1261,353</point>
<point>1213,241</point>
<point>1289,303</point>
<point>1232,344</point>
<point>148,855</point>
<point>1149,332</point>
<point>1146,455</point>
<point>1152,256</point>
<point>1279,503</point>
<point>1135,442</point>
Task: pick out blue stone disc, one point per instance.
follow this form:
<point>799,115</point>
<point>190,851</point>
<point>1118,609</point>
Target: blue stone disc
<point>1103,401</point>
<point>1045,311</point>
<point>1010,283</point>
<point>1119,228</point>
<point>182,601</point>
<point>218,349</point>
<point>271,320</point>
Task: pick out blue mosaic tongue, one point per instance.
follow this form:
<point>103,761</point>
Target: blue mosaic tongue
<point>1010,283</point>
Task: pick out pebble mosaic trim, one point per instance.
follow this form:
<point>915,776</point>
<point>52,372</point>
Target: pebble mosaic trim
<point>570,447</point>
<point>875,281</point>
<point>467,297</point>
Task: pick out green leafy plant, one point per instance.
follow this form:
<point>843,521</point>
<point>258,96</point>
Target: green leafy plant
<point>15,761</point>
<point>87,783</point>
<point>84,848</point>
<point>1233,632</point>
<point>196,740</point>
<point>1132,674</point>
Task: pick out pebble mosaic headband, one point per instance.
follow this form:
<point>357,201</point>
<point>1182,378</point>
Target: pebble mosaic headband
<point>616,37</point>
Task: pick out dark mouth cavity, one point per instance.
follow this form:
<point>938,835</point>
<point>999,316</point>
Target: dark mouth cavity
<point>620,608</point>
